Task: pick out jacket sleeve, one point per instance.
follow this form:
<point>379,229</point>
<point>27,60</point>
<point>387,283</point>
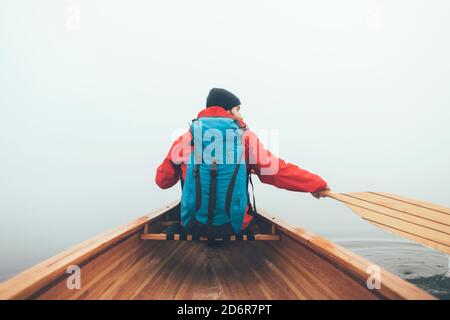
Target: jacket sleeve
<point>168,173</point>
<point>274,171</point>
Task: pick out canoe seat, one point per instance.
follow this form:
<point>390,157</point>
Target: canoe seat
<point>189,237</point>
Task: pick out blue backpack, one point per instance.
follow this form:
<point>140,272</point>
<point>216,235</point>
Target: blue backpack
<point>215,197</point>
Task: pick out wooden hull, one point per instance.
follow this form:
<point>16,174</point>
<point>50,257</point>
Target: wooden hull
<point>120,265</point>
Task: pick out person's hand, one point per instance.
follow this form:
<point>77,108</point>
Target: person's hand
<point>319,194</point>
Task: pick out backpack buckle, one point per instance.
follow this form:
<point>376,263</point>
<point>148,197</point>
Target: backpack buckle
<point>196,170</point>
<point>214,168</point>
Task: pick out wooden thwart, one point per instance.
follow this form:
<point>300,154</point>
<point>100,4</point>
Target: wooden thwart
<point>177,237</point>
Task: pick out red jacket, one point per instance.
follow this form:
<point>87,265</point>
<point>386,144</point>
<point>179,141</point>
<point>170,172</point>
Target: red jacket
<point>288,176</point>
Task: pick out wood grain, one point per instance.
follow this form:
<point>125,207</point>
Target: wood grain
<point>119,265</point>
<point>419,221</point>
<point>176,237</point>
<point>30,281</point>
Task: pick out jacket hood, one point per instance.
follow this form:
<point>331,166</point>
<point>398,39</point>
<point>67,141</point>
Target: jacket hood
<point>217,111</point>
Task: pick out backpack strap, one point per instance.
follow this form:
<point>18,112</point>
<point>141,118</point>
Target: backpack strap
<point>192,131</point>
<point>253,192</point>
<point>197,161</point>
<point>233,178</point>
<point>231,187</point>
<point>178,171</point>
<point>212,193</point>
<point>230,190</point>
<point>198,188</point>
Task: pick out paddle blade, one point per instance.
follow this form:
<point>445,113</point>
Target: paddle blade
<point>423,222</point>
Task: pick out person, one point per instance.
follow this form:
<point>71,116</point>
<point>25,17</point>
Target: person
<point>222,105</point>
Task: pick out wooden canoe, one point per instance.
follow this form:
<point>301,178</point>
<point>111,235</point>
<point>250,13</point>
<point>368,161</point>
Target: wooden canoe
<point>121,265</point>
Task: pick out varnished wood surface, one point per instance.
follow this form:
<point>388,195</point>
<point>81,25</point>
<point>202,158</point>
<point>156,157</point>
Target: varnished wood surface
<point>119,265</point>
<point>195,270</point>
<point>419,221</point>
<point>189,237</point>
<point>31,280</point>
<point>393,287</point>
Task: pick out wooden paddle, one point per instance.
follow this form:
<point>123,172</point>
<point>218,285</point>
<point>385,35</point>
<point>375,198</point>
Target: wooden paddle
<point>426,223</point>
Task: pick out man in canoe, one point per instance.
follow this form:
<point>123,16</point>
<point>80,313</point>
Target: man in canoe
<point>215,160</point>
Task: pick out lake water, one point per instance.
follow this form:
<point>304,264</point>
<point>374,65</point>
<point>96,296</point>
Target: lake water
<point>425,268</point>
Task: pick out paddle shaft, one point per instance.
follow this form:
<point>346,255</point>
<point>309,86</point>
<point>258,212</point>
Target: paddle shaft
<point>335,196</point>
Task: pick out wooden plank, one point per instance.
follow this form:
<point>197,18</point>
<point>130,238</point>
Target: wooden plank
<point>314,268</point>
<point>418,203</point>
<point>115,260</point>
<point>392,287</point>
<point>406,227</point>
<point>163,237</point>
<point>154,236</point>
<point>315,272</point>
<point>416,221</point>
<point>190,270</point>
<point>361,201</point>
<point>402,207</point>
<point>31,280</point>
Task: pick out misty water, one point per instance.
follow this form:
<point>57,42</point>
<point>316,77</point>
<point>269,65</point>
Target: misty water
<point>357,91</point>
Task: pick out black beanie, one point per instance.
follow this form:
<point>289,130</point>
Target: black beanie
<point>222,98</point>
